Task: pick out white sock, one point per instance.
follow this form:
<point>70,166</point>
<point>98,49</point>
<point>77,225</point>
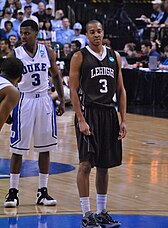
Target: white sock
<point>14,180</point>
<point>101,201</point>
<point>85,204</point>
<point>43,180</point>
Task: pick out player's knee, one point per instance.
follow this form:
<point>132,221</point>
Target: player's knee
<point>85,168</point>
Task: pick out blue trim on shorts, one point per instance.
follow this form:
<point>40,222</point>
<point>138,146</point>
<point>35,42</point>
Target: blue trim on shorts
<point>15,131</point>
<point>54,123</point>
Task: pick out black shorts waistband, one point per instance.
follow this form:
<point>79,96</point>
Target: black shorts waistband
<point>100,106</point>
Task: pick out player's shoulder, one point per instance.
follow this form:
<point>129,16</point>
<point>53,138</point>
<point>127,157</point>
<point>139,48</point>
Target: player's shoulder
<point>4,82</point>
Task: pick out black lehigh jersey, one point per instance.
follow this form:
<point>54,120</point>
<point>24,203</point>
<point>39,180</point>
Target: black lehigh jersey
<point>98,81</point>
<point>98,77</point>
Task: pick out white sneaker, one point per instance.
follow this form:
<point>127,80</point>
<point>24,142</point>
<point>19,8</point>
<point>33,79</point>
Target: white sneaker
<point>12,199</point>
<point>44,199</point>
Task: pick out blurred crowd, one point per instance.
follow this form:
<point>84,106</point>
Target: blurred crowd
<point>56,32</point>
<point>151,39</point>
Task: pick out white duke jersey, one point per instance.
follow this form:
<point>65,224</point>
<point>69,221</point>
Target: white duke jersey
<point>35,72</point>
<point>4,82</point>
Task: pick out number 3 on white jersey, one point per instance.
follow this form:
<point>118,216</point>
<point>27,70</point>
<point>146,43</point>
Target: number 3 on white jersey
<point>103,82</point>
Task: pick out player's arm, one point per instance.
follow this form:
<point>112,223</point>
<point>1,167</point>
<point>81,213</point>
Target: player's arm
<point>11,97</point>
<point>121,96</point>
<point>57,81</point>
<point>74,74</point>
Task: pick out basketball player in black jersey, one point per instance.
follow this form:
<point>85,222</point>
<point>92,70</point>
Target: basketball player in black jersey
<point>95,76</point>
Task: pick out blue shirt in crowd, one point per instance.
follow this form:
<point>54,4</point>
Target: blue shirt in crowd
<point>63,36</point>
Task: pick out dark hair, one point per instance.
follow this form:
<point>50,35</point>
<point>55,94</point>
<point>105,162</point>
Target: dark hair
<point>12,68</point>
<point>147,43</point>
<point>44,25</point>
<point>6,41</point>
<point>30,23</point>
<point>77,43</point>
<point>8,22</point>
<point>93,22</point>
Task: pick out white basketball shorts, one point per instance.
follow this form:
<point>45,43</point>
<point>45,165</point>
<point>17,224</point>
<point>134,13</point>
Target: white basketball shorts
<point>34,117</point>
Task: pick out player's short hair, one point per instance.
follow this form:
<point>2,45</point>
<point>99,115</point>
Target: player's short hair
<point>30,23</point>
<point>93,22</point>
<point>12,68</point>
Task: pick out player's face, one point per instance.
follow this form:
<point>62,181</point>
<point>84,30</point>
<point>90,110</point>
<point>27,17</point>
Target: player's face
<point>95,34</point>
<point>28,36</point>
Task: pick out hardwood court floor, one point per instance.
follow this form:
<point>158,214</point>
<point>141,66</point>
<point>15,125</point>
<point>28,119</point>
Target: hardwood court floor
<point>139,186</point>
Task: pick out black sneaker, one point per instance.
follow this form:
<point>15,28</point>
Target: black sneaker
<point>88,221</point>
<point>105,220</point>
<point>44,199</point>
<point>12,199</point>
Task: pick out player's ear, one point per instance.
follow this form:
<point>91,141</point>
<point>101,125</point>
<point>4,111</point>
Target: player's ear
<point>36,32</point>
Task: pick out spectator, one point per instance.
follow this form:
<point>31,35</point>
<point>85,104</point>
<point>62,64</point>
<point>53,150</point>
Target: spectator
<point>48,12</point>
<point>66,50</point>
<point>156,45</point>
<point>48,43</point>
<point>40,40</point>
<point>12,39</point>
<point>10,4</point>
<point>7,17</point>
<point>46,31</point>
<point>146,48</point>
<point>164,25</point>
<point>9,29</point>
<point>2,3</point>
<point>18,21</point>
<point>130,50</point>
<point>157,13</point>
<point>64,34</point>
<point>78,36</point>
<point>18,6</point>
<point>40,14</point>
<point>5,48</point>
<point>34,7</point>
<point>164,62</point>
<point>57,21</point>
<point>151,23</point>
<point>28,14</point>
<point>75,46</point>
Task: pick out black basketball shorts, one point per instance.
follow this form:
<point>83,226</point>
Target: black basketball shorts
<point>102,148</point>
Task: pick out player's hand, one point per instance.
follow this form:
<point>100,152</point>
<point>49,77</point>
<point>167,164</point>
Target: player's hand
<point>61,108</point>
<point>84,128</point>
<point>123,131</point>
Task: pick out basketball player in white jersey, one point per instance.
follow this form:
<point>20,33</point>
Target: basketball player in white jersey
<point>11,73</point>
<point>35,114</point>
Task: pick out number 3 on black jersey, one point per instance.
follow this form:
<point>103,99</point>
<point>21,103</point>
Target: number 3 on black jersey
<point>103,83</point>
<point>36,78</point>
